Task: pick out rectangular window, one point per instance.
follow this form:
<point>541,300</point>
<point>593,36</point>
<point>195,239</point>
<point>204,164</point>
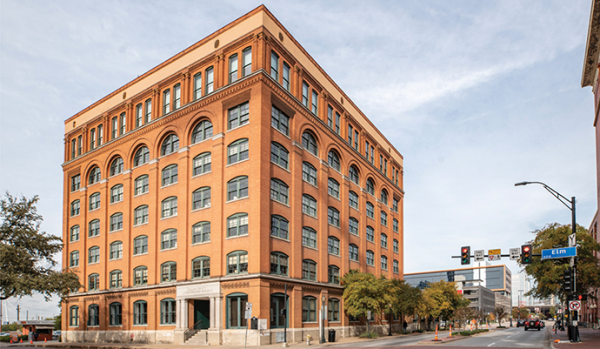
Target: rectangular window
<point>176,96</point>
<point>330,116</point>
<point>395,205</point>
<point>123,124</point>
<point>166,101</point>
<point>350,134</point>
<point>286,76</point>
<point>92,139</point>
<point>305,94</point>
<point>372,155</point>
<point>239,115</point>
<point>79,145</point>
<point>100,134</point>
<point>138,115</point>
<point>385,167</point>
<point>208,79</point>
<point>337,123</point>
<point>247,62</point>
<point>233,68</point>
<point>115,127</point>
<point>75,182</point>
<point>356,140</point>
<point>73,146</point>
<point>197,86</point>
<point>380,162</point>
<point>367,150</point>
<point>315,102</point>
<point>148,114</point>
<point>275,66</point>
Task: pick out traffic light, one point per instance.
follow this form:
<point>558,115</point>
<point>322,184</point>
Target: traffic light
<point>568,280</point>
<point>525,254</point>
<point>582,297</point>
<point>465,255</point>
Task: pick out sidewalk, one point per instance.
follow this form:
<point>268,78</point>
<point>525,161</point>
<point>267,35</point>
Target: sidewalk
<point>590,339</point>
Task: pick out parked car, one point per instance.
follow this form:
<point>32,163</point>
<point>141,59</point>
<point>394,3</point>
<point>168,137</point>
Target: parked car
<point>2,334</point>
<point>56,334</point>
<point>532,324</point>
<point>542,324</point>
<point>520,323</point>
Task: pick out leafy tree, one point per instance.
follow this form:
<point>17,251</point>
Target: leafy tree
<point>57,321</point>
<point>364,292</point>
<point>407,298</point>
<point>548,273</point>
<point>26,253</point>
<point>446,299</point>
<point>521,313</point>
<point>552,311</point>
<point>463,314</point>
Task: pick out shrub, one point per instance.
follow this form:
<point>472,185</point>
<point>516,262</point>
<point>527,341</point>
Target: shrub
<point>370,335</point>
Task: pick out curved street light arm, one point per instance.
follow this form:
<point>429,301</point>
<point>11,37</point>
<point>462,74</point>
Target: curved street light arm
<point>554,193</point>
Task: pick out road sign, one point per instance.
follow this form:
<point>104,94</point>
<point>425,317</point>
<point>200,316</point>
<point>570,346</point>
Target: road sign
<point>515,253</point>
<point>572,262</point>
<point>248,314</point>
<point>574,305</point>
<point>559,252</point>
<point>572,240</point>
<point>479,255</point>
<point>494,255</point>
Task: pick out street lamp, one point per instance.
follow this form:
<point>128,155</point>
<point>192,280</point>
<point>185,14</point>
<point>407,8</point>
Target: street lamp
<point>323,320</point>
<point>570,204</point>
<point>390,329</point>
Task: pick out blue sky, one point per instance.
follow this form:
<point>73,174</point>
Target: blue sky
<point>475,95</point>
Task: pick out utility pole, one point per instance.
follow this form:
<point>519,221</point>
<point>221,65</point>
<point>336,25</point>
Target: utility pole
<point>18,311</point>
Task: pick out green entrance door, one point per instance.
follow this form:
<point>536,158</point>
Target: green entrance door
<point>201,314</point>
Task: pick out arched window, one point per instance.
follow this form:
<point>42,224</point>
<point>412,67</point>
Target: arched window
<point>280,121</point>
<point>116,250</point>
<point>94,201</point>
<point>201,267</point>
<point>74,233</point>
<point>353,252</point>
<point>279,227</point>
<point>201,198</point>
<point>309,143</point>
<point>333,188</point>
<point>384,263</point>
<point>140,215</point>
<point>334,160</point>
<point>140,276</point>
<point>237,262</point>
<point>202,163</point>
<point>95,175</point>
<point>333,216</point>
<point>168,239</point>
<point>94,228</point>
<point>309,173</point>
<point>309,237</point>
<point>370,186</point>
<point>94,255</point>
<point>333,245</point>
<point>279,155</point>
<point>309,205</point>
<point>278,304</point>
<point>169,175</point>
<point>115,314</point>
<point>75,205</point>
<point>168,272</point>
<point>353,226</point>
<point>353,174</point>
<point>370,210</point>
<point>235,308</point>
<point>140,245</point>
<point>237,224</point>
<point>353,199</point>
<point>237,188</point>
<point>279,263</point>
<point>370,233</point>
<point>93,282</point>
<point>116,166</point>
<point>116,279</point>
<point>169,145</point>
<point>141,185</point>
<point>384,196</point>
<point>395,225</point>
<point>93,315</point>
<point>169,207</point>
<point>74,316</point>
<point>333,313</point>
<point>140,313</point>
<point>237,151</point>
<point>370,258</point>
<point>142,156</point>
<point>384,241</point>
<point>384,219</point>
<point>279,191</point>
<point>309,270</point>
<point>74,259</point>
<point>333,274</point>
<point>202,131</point>
<point>168,315</point>
<point>116,221</point>
<point>116,193</point>
<point>309,309</point>
<point>201,232</point>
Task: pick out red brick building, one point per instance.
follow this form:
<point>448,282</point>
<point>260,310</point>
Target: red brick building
<point>214,180</point>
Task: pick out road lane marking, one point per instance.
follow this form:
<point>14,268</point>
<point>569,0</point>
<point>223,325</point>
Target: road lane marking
<point>491,344</point>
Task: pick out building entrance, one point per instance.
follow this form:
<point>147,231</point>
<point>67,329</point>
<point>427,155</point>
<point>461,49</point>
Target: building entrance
<point>201,314</point>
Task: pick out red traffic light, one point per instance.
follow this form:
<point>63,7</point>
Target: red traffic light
<point>464,250</point>
<point>526,248</point>
<point>580,297</point>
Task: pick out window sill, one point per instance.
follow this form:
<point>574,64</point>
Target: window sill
<point>140,224</point>
<point>235,237</point>
<point>237,162</point>
<point>354,208</point>
<point>94,209</point>
<point>115,326</point>
<point>335,226</point>
<point>278,130</point>
<point>354,260</point>
<point>337,198</point>
<point>168,249</point>
<point>74,241</point>
<point>281,167</point>
<point>201,174</point>
<point>333,254</point>
<point>140,194</point>
<point>237,199</point>
<point>240,126</point>
<point>168,185</point>
<point>114,231</point>
<point>76,215</point>
<point>281,203</point>
<point>98,262</point>
<point>309,183</point>
<point>308,214</point>
<point>200,243</point>
<point>115,259</point>
<point>312,248</point>
<point>201,208</point>
<point>140,325</point>
<point>94,236</point>
<point>140,254</point>
<point>278,238</point>
<point>167,217</point>
<point>116,202</point>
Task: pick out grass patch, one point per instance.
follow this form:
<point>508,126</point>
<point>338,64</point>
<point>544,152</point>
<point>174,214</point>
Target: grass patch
<point>370,335</point>
<point>470,333</point>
